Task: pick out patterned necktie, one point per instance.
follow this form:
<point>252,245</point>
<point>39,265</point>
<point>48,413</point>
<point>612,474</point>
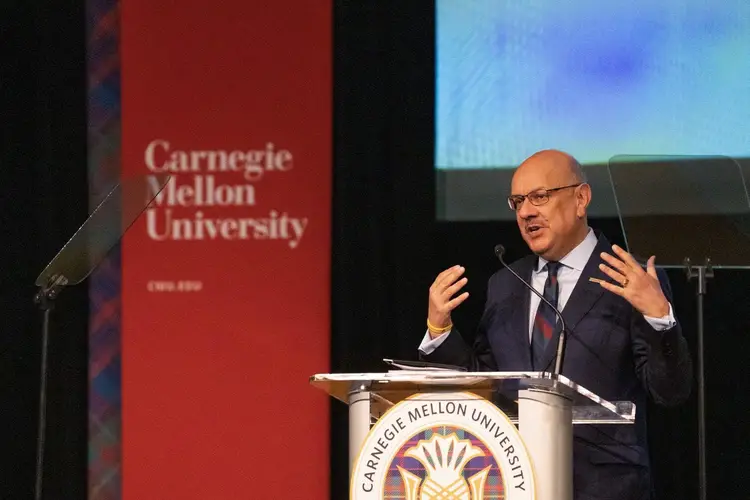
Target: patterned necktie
<point>546,319</point>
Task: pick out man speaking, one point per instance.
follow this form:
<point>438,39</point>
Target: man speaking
<point>624,342</point>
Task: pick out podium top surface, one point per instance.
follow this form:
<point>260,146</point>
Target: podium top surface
<point>388,388</point>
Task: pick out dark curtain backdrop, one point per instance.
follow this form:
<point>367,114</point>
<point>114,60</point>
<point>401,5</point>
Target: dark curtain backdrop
<point>387,245</point>
<point>43,199</point>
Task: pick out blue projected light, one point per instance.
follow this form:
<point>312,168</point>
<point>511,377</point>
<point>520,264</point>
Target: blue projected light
<point>593,79</point>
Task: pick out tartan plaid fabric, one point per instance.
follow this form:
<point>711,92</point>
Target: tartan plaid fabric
<point>104,422</point>
<point>394,484</point>
<point>546,319</point>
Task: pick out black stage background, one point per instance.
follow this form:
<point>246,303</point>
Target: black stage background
<point>387,247</point>
<point>44,198</point>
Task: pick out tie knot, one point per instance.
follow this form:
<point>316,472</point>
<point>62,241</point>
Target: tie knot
<point>553,267</point>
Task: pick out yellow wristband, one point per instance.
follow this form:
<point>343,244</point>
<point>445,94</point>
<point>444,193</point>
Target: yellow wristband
<point>435,329</point>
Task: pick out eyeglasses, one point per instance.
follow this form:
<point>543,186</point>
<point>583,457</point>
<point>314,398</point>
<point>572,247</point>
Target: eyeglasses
<point>538,197</point>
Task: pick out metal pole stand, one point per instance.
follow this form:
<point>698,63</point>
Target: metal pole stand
<point>44,298</point>
<point>702,273</point>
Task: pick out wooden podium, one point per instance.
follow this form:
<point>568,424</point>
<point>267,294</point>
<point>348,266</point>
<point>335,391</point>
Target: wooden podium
<point>543,407</point>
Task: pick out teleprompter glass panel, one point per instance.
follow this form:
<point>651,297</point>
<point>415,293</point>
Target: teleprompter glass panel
<point>683,207</point>
<point>103,229</point>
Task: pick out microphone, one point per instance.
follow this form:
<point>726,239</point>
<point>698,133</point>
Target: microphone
<point>499,251</point>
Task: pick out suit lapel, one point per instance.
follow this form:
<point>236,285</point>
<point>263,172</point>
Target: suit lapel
<point>520,313</point>
<point>583,298</point>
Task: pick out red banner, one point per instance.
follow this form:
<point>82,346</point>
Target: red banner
<point>225,286</point>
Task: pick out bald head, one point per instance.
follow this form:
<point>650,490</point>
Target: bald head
<point>551,200</point>
<point>554,161</point>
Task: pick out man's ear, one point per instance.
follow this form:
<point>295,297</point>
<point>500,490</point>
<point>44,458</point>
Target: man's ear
<point>583,198</point>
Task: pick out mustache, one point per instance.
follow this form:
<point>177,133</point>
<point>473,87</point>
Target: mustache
<point>534,222</point>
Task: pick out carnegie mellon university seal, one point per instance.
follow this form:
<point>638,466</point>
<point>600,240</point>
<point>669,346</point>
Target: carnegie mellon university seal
<point>443,446</point>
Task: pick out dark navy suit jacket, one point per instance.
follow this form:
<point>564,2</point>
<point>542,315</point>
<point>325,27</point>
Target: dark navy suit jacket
<point>611,350</point>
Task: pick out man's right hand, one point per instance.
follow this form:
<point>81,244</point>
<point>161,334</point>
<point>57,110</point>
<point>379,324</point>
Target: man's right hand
<point>441,302</point>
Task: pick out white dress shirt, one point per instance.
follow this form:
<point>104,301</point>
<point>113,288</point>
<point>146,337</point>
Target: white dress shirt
<point>567,277</point>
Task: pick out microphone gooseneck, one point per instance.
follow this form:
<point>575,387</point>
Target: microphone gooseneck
<point>499,251</point>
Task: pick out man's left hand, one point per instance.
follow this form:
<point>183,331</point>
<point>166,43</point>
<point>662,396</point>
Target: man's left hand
<point>640,288</point>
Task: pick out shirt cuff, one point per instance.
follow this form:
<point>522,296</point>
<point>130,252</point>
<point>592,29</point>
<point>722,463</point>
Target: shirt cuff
<point>429,344</point>
<point>663,323</point>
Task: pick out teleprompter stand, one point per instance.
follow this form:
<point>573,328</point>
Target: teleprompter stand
<point>692,213</point>
<point>75,261</point>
